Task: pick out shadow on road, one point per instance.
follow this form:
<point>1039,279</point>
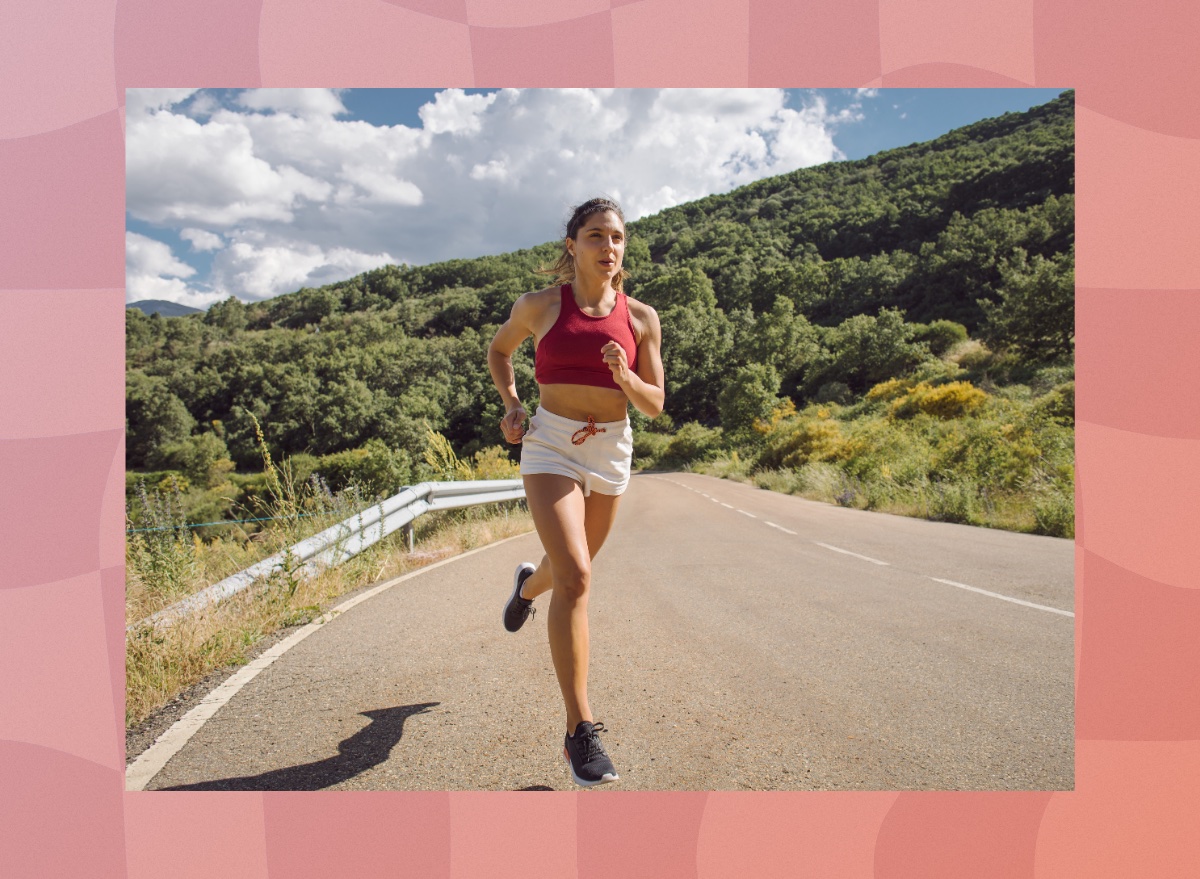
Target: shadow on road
<point>368,747</point>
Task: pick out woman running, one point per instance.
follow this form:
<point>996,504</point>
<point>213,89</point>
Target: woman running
<point>596,351</point>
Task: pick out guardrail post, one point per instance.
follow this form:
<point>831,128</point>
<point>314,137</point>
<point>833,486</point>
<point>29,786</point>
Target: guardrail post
<point>407,531</point>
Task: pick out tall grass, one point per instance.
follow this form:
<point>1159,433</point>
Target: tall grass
<point>165,562</point>
<point>161,664</point>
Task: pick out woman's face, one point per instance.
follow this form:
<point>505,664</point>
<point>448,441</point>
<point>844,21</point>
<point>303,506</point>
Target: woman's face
<point>599,246</point>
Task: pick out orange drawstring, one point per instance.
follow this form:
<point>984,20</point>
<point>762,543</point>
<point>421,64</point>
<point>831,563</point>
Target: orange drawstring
<point>590,430</point>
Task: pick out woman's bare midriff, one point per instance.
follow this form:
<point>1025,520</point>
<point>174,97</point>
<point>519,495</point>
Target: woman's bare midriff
<point>578,402</point>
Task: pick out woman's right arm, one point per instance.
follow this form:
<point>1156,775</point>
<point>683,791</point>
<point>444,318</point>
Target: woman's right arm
<point>508,338</point>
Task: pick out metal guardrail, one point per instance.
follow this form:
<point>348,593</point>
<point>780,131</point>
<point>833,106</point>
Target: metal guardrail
<point>345,540</point>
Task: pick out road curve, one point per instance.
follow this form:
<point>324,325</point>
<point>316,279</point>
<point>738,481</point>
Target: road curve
<point>741,640</point>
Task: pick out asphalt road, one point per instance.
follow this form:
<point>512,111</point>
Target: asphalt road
<point>741,640</point>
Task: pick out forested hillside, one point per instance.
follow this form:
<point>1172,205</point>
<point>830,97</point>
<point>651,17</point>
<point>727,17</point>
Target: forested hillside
<point>942,264</point>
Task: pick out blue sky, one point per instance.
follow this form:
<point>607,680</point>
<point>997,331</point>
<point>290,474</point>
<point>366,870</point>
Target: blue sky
<point>258,193</point>
<point>898,117</point>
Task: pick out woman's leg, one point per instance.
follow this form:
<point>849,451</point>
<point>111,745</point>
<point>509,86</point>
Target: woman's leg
<point>570,528</point>
<point>600,511</point>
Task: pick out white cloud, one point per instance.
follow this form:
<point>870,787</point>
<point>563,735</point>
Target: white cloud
<point>138,101</point>
<point>377,185</point>
<point>453,111</point>
<point>298,102</point>
<point>254,270</point>
<point>179,170</point>
<point>201,240</point>
<point>203,105</point>
<point>152,271</point>
<point>493,170</point>
<point>301,194</point>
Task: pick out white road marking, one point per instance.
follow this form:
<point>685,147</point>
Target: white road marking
<point>150,762</point>
<point>865,558</point>
<point>1065,613</point>
<point>1009,598</point>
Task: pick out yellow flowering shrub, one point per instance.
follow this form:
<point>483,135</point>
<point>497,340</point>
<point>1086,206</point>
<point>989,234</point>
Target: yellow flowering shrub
<point>890,389</point>
<point>951,400</point>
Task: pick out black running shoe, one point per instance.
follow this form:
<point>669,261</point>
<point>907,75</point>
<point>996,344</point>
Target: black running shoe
<point>586,756</point>
<point>518,609</point>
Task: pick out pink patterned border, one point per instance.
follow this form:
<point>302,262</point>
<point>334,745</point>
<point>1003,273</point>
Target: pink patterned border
<point>63,70</point>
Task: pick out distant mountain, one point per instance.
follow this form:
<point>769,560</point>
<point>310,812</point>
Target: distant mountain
<point>161,306</point>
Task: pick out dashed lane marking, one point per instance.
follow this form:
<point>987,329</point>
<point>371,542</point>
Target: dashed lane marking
<point>1065,613</point>
<point>865,558</point>
<point>876,561</point>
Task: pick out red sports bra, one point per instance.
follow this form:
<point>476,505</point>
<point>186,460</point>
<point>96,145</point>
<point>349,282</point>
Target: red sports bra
<point>570,352</point>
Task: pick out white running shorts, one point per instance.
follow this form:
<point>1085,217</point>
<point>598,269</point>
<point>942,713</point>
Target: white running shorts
<point>596,454</point>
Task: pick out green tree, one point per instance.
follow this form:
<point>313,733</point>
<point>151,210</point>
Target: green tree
<point>686,286</point>
<point>229,315</point>
<point>141,333</point>
<point>865,350</point>
<point>203,459</point>
<point>697,344</point>
<point>154,417</point>
<point>749,395</point>
<point>784,340</point>
<point>1034,313</point>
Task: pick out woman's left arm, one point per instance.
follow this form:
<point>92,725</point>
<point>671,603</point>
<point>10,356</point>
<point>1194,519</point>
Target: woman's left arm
<point>645,387</point>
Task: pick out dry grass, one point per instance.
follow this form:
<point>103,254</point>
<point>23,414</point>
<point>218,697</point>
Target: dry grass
<point>161,664</point>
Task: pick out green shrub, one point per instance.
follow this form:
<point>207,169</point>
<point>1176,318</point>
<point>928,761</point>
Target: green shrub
<point>303,466</point>
<point>1054,513</point>
<point>814,436</point>
<point>833,392</point>
<point>935,372</point>
<point>375,468</point>
<point>160,550</point>
<point>896,453</point>
<point>662,424</point>
<point>202,458</point>
<point>972,355</point>
<point>692,442</point>
<point>648,448</point>
<point>783,481</point>
<point>821,481</point>
<point>1046,378</point>
<point>954,500</point>
<point>1059,404</point>
<point>494,463</point>
<point>734,467</point>
<point>940,336</point>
